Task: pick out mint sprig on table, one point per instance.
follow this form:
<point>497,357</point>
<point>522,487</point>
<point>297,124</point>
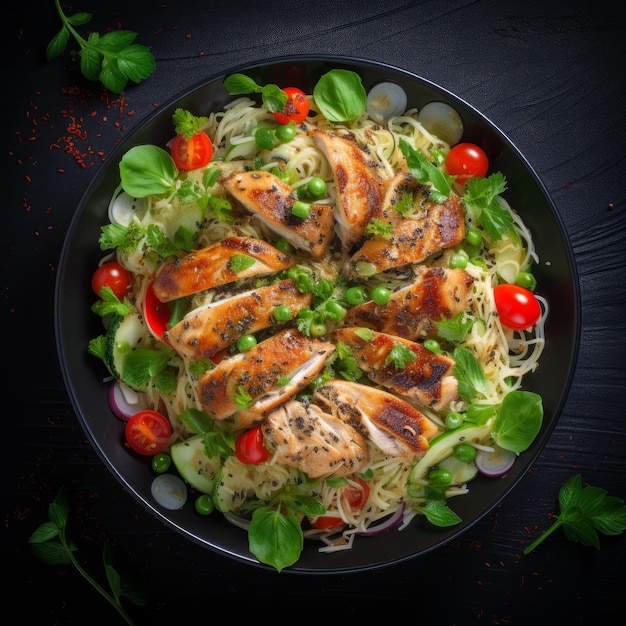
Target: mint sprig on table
<point>112,58</point>
<point>51,544</point>
<point>585,512</point>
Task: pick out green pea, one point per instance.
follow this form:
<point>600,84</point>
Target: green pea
<point>473,237</point>
<point>363,268</point>
<point>318,329</point>
<point>286,132</point>
<point>464,452</point>
<point>161,462</point>
<point>335,311</point>
<point>282,313</point>
<point>458,260</point>
<point>204,504</point>
<point>381,295</point>
<point>316,187</point>
<point>453,420</point>
<point>440,477</point>
<point>432,345</point>
<point>356,295</point>
<point>246,342</point>
<point>284,246</point>
<point>527,280</point>
<point>265,138</point>
<point>301,209</point>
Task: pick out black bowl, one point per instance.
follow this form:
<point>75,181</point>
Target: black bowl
<point>75,325</point>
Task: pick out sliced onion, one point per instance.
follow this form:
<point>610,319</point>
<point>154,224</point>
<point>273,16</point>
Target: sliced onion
<point>388,523</point>
<point>124,207</point>
<point>443,121</point>
<point>236,520</point>
<point>495,462</point>
<point>386,100</point>
<point>169,491</point>
<point>124,401</point>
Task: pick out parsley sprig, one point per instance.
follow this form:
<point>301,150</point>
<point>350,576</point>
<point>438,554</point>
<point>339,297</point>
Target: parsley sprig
<point>112,58</point>
<point>585,512</point>
<point>51,544</point>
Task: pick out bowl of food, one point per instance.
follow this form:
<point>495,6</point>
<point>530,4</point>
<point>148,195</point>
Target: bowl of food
<point>317,314</point>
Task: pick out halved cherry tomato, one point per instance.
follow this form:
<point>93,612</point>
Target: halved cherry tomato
<point>112,274</point>
<point>355,497</point>
<point>192,153</point>
<point>466,160</point>
<point>249,447</point>
<point>517,306</point>
<point>327,521</point>
<point>148,432</point>
<point>157,314</point>
<point>296,109</point>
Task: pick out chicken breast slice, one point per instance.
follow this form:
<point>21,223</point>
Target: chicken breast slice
<point>217,265</point>
<point>428,379</point>
<point>317,443</point>
<point>394,425</point>
<point>205,331</point>
<point>412,310</point>
<point>254,382</point>
<point>269,197</point>
<point>428,228</point>
<point>360,189</point>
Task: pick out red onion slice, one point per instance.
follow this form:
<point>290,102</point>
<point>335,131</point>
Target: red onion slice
<point>124,401</point>
<point>496,462</point>
<point>388,523</point>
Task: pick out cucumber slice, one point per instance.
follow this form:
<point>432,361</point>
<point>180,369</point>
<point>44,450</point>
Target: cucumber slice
<point>193,464</point>
<point>124,334</point>
<point>229,494</point>
<point>461,472</point>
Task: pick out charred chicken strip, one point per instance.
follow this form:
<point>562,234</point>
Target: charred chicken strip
<point>412,311</point>
<point>217,265</point>
<point>254,382</point>
<point>317,443</point>
<point>394,425</point>
<point>427,379</point>
<point>205,331</point>
<point>428,227</point>
<point>360,189</point>
<point>267,196</point>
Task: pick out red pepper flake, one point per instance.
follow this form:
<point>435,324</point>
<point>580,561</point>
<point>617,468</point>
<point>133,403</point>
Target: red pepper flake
<point>188,36</point>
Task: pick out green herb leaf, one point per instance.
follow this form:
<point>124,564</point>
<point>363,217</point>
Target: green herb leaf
<point>519,420</point>
<point>379,228</point>
<point>438,513</point>
<point>148,170</point>
<point>340,95</point>
<point>274,98</point>
<point>400,356</point>
<point>187,124</point>
<point>585,512</point>
<point>240,262</point>
<point>426,172</point>
<point>469,373</point>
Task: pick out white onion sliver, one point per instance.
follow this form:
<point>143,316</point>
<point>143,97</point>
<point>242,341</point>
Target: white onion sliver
<point>169,491</point>
<point>124,401</point>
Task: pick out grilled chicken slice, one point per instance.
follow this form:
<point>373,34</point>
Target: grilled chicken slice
<point>427,379</point>
<point>267,196</point>
<point>267,375</point>
<point>394,425</point>
<point>214,265</point>
<point>206,330</point>
<point>428,228</point>
<point>360,189</point>
<point>317,443</point>
<point>412,311</point>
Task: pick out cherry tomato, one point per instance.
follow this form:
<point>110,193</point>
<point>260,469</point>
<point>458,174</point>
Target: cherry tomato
<point>466,160</point>
<point>249,447</point>
<point>296,109</point>
<point>355,497</point>
<point>192,153</point>
<point>324,522</point>
<point>112,274</point>
<point>517,306</point>
<point>148,432</point>
<point>157,314</point>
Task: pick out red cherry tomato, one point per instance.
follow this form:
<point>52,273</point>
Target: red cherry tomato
<point>517,306</point>
<point>466,160</point>
<point>192,153</point>
<point>249,447</point>
<point>156,313</point>
<point>112,274</point>
<point>355,497</point>
<point>148,432</point>
<point>296,109</point>
<point>324,522</point>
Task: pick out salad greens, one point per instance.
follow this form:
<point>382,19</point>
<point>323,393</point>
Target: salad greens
<point>112,58</point>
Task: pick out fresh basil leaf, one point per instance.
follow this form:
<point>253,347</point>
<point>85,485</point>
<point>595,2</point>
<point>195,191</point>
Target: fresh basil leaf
<point>148,170</point>
<point>438,513</point>
<point>340,95</point>
<point>518,421</point>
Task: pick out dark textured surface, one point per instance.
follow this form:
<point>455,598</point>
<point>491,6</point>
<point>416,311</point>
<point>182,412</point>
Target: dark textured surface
<point>548,74</point>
